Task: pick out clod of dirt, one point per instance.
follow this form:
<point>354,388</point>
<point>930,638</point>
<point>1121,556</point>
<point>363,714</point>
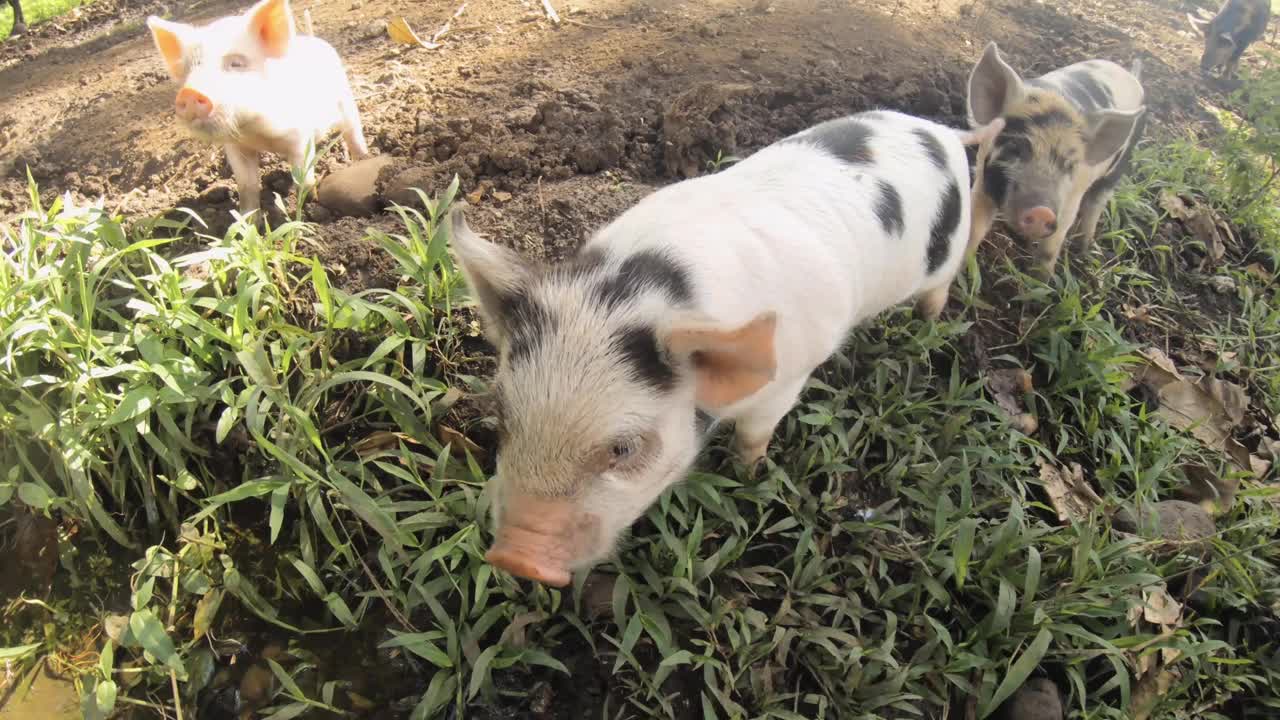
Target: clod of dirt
<point>32,558</point>
<point>352,191</point>
<point>400,188</point>
<point>597,595</point>
<point>696,126</point>
<point>1172,520</point>
<point>1038,699</point>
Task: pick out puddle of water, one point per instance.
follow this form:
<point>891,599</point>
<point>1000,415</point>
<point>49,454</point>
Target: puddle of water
<point>48,698</point>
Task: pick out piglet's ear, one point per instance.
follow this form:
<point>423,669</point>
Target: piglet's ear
<point>168,39</point>
<point>1108,132</point>
<point>271,25</point>
<point>730,364</point>
<point>993,87</point>
<point>498,277</point>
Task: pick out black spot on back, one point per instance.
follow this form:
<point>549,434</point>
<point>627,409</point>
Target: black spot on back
<point>889,209</point>
<point>1085,92</point>
<point>847,138</point>
<point>944,227</point>
<point>526,321</point>
<point>638,346</point>
<point>647,269</point>
<point>937,154</point>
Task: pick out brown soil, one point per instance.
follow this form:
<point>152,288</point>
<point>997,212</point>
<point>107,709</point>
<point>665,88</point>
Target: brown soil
<point>562,126</point>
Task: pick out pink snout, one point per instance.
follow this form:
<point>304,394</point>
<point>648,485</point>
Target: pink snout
<point>1037,222</point>
<point>530,555</point>
<point>193,105</point>
<point>536,538</point>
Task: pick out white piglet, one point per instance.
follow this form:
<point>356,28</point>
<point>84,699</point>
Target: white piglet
<point>721,294</point>
<point>252,84</point>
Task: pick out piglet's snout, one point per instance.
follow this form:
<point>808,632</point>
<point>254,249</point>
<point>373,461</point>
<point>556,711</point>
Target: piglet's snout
<point>1037,222</point>
<point>537,538</point>
<point>193,105</point>
<point>531,555</point>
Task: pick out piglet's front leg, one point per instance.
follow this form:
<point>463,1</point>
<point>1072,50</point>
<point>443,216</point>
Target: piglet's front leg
<point>244,165</point>
<point>754,430</point>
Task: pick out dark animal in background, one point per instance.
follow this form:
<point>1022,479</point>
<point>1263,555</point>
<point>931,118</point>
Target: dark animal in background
<point>19,24</point>
<point>1236,26</point>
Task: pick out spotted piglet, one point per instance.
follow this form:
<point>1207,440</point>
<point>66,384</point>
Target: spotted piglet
<point>1066,143</point>
<point>719,294</point>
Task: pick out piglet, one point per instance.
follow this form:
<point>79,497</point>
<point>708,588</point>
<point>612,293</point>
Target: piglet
<point>1237,25</point>
<point>1067,141</point>
<point>718,295</point>
<point>252,84</point>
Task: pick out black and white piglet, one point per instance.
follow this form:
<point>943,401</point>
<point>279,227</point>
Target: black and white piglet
<point>721,293</point>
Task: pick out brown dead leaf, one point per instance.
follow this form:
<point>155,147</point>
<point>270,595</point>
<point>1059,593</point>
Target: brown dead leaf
<point>1159,608</point>
<point>1205,488</point>
<point>1151,686</point>
<point>1259,272</point>
<point>1173,204</point>
<point>1208,409</point>
<point>1141,313</point>
<point>1069,493</point>
<point>399,30</point>
<point>1200,220</point>
<point>459,443</point>
<point>1007,386</point>
<point>513,635</point>
<point>378,441</point>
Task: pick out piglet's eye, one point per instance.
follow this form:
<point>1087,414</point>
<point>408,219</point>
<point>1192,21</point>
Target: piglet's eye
<point>623,451</point>
<point>235,62</point>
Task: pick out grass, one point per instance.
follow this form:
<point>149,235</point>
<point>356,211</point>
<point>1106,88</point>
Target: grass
<point>34,12</point>
<point>239,456</point>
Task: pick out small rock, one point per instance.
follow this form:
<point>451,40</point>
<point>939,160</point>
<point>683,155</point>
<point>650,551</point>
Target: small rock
<point>400,189</point>
<point>1174,520</point>
<point>1223,284</point>
<point>352,190</point>
<point>751,53</point>
<point>1038,699</point>
<point>475,196</point>
<point>501,196</point>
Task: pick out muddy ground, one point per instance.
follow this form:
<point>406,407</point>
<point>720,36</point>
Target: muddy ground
<point>552,129</point>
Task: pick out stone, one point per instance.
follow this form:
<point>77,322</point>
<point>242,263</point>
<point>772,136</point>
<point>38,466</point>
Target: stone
<point>352,191</point>
<point>1037,699</point>
<point>1173,520</point>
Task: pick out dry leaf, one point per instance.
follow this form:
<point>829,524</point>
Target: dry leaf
<point>1207,410</point>
<point>1232,397</point>
<point>1259,272</point>
<point>513,635</point>
<point>1069,493</point>
<point>1215,494</point>
<point>459,443</point>
<point>1150,688</point>
<point>378,441</point>
<point>400,32</point>
<point>1141,314</point>
<point>1007,387</point>
<point>1200,220</point>
<point>1159,608</point>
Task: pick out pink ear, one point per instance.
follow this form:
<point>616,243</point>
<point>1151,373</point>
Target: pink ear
<point>271,24</point>
<point>169,43</point>
<point>730,364</point>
